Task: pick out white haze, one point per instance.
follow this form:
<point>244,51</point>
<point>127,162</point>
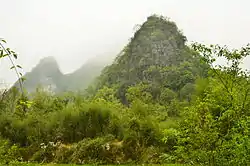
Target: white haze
<point>74,31</point>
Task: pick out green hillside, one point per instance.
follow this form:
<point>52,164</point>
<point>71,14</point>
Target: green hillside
<point>157,56</point>
<point>160,102</point>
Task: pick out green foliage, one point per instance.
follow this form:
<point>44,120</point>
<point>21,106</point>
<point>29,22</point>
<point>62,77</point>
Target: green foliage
<point>210,133</point>
<point>155,57</point>
<point>9,152</point>
<point>92,151</point>
<point>139,92</point>
<point>159,102</point>
<point>167,95</point>
<point>4,145</point>
<point>7,52</point>
<point>49,121</point>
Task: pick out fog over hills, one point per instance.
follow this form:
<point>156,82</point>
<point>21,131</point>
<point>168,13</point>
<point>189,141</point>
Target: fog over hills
<point>47,74</point>
<point>75,31</point>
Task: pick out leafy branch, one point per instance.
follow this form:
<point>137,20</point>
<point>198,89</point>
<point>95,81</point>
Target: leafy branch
<point>233,58</point>
<point>6,52</point>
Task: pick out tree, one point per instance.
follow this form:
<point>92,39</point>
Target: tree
<point>167,95</point>
<point>215,128</point>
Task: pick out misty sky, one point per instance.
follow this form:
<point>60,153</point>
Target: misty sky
<point>75,30</point>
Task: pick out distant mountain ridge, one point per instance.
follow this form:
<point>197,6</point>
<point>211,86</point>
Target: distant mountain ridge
<point>157,55</point>
<point>47,75</point>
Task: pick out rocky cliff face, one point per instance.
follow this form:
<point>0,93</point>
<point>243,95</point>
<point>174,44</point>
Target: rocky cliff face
<point>157,42</point>
<point>157,56</point>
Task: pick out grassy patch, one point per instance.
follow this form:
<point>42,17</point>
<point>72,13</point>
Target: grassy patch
<point>32,164</point>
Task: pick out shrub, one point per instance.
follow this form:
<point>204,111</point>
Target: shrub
<point>92,151</point>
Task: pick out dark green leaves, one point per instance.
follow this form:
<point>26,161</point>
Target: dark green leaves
<point>2,40</point>
<point>2,55</point>
<point>19,66</point>
<point>15,56</point>
<point>8,52</point>
<point>23,79</point>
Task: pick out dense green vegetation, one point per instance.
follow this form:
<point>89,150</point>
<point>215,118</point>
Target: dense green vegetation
<point>161,101</point>
<point>32,164</point>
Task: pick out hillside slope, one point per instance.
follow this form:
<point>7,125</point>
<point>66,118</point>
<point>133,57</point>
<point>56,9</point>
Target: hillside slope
<point>46,74</point>
<point>156,55</point>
